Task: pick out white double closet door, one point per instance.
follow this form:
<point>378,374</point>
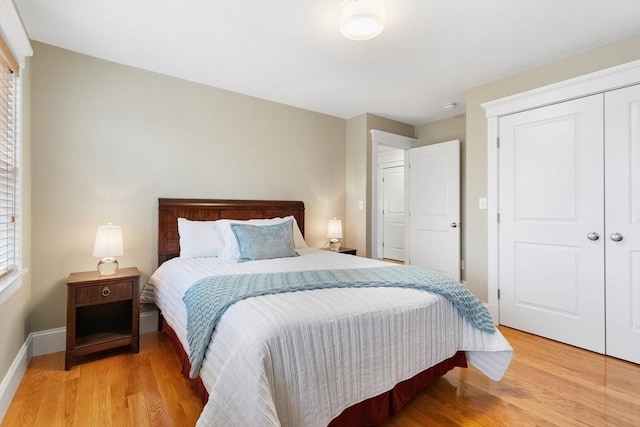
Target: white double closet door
<point>569,231</point>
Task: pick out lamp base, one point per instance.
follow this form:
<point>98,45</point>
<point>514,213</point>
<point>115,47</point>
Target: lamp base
<point>107,266</point>
<point>334,244</point>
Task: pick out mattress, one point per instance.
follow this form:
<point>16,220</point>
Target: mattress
<point>301,358</point>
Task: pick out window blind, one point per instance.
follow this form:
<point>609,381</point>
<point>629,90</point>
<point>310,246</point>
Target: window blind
<point>7,164</point>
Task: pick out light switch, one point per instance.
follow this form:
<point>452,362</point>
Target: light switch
<point>482,203</point>
<point>360,205</point>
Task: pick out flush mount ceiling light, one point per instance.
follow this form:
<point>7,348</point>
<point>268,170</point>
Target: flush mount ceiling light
<point>361,19</point>
<point>450,106</point>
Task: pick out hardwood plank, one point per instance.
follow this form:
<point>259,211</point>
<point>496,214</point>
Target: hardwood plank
<point>120,390</point>
<point>547,384</point>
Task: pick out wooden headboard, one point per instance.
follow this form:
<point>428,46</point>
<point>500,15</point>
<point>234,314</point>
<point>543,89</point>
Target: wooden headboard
<point>169,210</point>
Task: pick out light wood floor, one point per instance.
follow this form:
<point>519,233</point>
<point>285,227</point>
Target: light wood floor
<point>547,384</point>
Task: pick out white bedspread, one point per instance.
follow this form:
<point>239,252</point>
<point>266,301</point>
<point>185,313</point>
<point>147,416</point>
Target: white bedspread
<point>301,358</point>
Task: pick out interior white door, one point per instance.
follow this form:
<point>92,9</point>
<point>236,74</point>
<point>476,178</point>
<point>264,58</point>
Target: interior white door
<point>393,241</point>
<point>434,207</point>
<point>622,226</point>
<point>551,270</point>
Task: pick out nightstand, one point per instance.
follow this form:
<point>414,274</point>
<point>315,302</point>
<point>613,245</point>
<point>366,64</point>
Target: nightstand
<point>348,251</point>
<point>102,312</point>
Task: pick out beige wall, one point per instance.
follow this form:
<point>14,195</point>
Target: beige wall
<point>15,312</point>
<point>356,184</point>
<point>14,326</point>
<point>442,130</point>
<point>108,140</point>
<point>475,220</point>
<point>359,173</point>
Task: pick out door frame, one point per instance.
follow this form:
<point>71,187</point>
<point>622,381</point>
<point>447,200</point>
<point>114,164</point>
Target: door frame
<point>588,84</point>
<point>405,143</point>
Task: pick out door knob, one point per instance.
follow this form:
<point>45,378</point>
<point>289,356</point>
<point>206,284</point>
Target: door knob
<point>616,237</point>
<point>593,236</point>
<point>454,225</point>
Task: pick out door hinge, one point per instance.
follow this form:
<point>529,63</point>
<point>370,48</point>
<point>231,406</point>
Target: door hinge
<point>498,142</point>
<point>498,293</point>
<point>498,218</point>
<point>461,264</point>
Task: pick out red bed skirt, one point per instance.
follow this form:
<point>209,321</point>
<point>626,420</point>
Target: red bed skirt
<point>370,412</point>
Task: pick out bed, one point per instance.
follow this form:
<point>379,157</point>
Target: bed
<point>338,357</point>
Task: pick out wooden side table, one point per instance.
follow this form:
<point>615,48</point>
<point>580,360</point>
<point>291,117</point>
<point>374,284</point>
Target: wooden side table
<point>102,312</point>
<point>348,251</point>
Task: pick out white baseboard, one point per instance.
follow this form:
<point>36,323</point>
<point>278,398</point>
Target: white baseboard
<point>11,380</point>
<point>148,321</point>
<point>54,340</point>
<point>47,342</point>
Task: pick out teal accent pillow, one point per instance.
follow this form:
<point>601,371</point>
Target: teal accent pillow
<point>264,242</point>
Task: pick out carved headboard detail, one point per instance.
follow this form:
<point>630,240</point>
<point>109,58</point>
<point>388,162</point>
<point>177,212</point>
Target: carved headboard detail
<point>169,210</point>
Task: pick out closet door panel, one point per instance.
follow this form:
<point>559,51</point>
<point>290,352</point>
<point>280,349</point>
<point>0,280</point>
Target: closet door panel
<point>622,213</point>
<point>551,275</point>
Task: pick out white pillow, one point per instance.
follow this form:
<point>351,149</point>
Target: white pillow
<point>231,249</point>
<point>298,240</point>
<point>199,238</point>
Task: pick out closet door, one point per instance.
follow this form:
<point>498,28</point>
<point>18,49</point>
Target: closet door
<point>551,230</point>
<point>622,230</point>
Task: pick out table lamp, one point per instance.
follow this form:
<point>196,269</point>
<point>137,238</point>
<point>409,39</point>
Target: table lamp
<point>334,233</point>
<point>108,245</point>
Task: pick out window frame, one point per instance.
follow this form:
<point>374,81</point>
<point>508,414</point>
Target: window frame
<point>9,279</point>
<point>15,45</point>
<point>9,165</point>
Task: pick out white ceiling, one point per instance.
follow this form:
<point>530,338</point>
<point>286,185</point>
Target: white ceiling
<point>292,51</point>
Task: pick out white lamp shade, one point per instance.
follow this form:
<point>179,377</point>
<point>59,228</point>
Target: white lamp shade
<point>362,19</point>
<point>334,229</point>
<point>108,241</point>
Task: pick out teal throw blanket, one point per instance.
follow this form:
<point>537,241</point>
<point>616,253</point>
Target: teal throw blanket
<point>208,298</point>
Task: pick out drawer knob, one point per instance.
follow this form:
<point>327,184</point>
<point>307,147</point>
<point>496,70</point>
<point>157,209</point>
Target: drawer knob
<point>106,291</point>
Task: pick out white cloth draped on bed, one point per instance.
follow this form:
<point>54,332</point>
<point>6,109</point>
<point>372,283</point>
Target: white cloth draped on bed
<point>301,358</point>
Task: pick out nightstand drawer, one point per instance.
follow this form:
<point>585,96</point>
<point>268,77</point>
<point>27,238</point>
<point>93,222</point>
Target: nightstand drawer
<point>98,294</point>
